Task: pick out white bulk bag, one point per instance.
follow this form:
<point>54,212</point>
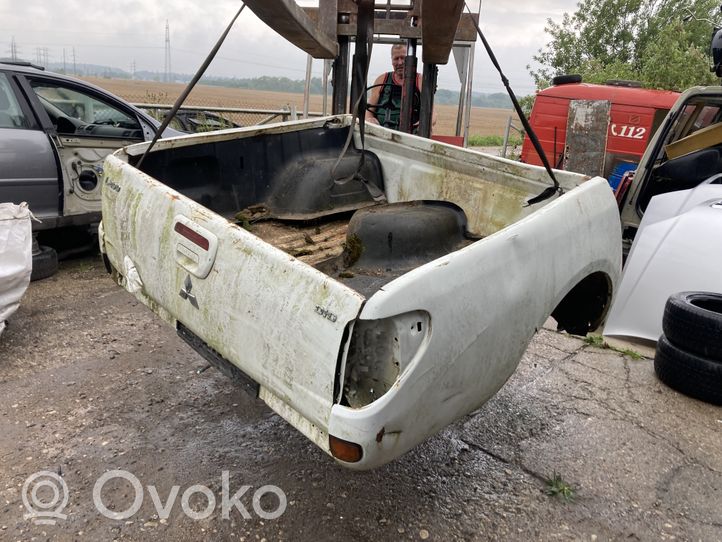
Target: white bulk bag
<point>16,258</point>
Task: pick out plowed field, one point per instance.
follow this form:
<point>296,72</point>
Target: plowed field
<point>484,121</point>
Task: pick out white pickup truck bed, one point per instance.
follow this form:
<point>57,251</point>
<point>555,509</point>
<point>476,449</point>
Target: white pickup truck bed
<point>368,326</point>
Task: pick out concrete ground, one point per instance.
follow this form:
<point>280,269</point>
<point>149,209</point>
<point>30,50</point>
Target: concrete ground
<point>92,381</point>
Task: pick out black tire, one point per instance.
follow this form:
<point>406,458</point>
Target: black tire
<point>692,321</point>
<point>45,263</point>
<point>566,79</point>
<point>687,373</point>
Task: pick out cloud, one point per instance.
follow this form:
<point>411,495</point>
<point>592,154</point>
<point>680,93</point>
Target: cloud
<point>120,32</point>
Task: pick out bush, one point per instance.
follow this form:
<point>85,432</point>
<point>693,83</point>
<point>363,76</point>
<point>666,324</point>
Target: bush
<point>492,141</point>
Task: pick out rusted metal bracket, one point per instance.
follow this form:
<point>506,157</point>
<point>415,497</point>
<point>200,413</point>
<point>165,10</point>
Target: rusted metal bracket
<point>406,21</point>
<point>294,24</point>
<point>439,37</point>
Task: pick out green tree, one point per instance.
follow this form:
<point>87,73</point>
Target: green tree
<point>643,40</point>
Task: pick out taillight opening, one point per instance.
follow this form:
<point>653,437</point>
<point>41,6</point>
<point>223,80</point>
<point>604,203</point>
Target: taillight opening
<point>379,352</point>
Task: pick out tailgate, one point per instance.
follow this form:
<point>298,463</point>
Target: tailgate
<point>279,320</point>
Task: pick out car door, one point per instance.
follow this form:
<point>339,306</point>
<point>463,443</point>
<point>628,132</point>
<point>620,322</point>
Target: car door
<point>28,169</point>
<point>659,173</point>
<point>84,126</point>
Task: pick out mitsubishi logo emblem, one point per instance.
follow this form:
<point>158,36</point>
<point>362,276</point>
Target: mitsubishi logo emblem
<point>185,292</point>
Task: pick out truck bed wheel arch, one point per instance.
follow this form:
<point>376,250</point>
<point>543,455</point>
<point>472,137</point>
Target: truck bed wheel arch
<point>584,307</point>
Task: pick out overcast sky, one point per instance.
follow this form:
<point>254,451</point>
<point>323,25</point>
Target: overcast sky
<point>121,32</point>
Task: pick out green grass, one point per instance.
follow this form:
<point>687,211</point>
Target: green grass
<point>631,353</point>
<point>598,342</point>
<point>492,141</point>
<point>557,487</point>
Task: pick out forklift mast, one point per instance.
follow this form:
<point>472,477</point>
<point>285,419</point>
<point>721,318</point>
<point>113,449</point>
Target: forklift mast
<point>326,32</point>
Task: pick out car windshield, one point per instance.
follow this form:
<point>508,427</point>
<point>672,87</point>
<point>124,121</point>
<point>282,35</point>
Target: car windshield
<point>63,101</point>
<point>694,117</point>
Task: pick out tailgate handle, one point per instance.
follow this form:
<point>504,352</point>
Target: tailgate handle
<point>195,247</point>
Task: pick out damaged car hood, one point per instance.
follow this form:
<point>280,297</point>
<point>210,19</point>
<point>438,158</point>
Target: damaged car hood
<point>676,249</point>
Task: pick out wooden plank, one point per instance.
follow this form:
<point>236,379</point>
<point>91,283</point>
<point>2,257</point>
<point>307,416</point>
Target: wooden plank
<point>311,244</point>
<point>291,22</point>
<point>439,21</point>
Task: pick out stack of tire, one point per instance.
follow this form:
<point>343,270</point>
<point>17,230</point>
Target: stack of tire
<point>689,352</point>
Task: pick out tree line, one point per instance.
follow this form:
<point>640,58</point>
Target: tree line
<point>284,84</point>
<point>663,44</point>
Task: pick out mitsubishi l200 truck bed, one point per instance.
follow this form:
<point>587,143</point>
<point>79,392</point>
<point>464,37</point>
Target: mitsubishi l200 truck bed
<point>369,298</point>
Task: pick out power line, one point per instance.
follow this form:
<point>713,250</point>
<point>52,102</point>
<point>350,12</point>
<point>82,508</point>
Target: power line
<point>167,77</point>
<point>13,49</point>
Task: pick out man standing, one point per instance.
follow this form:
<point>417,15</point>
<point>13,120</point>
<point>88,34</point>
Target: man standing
<point>384,103</point>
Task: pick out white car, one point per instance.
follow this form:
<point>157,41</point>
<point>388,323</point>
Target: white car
<point>672,216</point>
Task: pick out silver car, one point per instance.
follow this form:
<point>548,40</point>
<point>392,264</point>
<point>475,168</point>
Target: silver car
<point>55,132</point>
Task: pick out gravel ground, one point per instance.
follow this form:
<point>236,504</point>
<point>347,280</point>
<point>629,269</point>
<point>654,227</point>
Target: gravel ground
<point>92,381</point>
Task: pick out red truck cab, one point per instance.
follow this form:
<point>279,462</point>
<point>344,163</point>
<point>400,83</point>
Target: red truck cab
<point>632,116</point>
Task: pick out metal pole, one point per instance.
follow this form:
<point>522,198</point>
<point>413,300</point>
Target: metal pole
<point>428,87</point>
<point>364,35</point>
<point>469,85</point>
<point>340,78</point>
<point>462,100</point>
<point>409,88</point>
<point>307,87</point>
<point>506,137</point>
<point>326,67</point>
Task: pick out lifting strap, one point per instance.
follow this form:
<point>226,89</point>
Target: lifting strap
<point>550,191</point>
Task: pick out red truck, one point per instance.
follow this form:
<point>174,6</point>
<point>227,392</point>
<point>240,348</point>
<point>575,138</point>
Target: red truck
<point>596,129</point>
